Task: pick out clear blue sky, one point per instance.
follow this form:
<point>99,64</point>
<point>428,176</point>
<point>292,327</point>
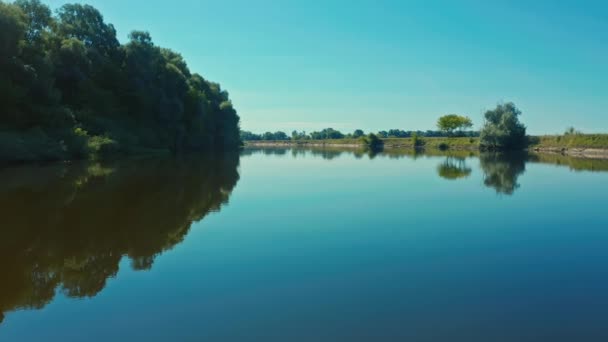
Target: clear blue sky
<point>387,64</point>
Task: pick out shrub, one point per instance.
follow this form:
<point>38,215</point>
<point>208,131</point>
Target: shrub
<point>373,142</point>
<point>416,140</point>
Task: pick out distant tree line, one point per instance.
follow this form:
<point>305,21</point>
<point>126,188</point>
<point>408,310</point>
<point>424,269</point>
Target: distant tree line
<point>501,130</point>
<point>330,133</point>
<point>69,89</point>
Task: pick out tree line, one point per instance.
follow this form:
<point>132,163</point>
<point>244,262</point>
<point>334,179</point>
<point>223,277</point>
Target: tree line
<point>69,89</point>
<point>501,129</point>
<point>330,133</point>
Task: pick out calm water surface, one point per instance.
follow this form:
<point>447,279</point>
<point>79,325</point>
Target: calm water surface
<point>294,245</point>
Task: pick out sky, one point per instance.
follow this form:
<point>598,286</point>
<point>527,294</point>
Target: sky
<point>386,64</point>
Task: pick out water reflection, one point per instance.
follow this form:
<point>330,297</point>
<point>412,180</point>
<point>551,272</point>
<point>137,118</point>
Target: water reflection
<point>67,227</point>
<point>573,163</point>
<point>501,170</point>
<point>454,168</point>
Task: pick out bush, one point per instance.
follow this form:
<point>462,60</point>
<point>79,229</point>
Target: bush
<point>416,140</point>
<point>373,142</point>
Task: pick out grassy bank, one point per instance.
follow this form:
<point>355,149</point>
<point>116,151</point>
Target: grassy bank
<point>599,141</point>
<point>433,143</point>
<point>573,141</point>
<point>389,143</point>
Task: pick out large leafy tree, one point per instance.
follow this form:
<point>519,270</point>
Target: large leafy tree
<point>502,128</point>
<point>358,133</point>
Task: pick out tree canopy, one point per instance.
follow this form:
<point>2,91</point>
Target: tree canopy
<point>330,133</point>
<point>69,89</point>
<point>452,122</point>
<point>502,128</point>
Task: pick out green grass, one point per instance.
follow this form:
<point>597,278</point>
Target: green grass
<point>464,143</point>
<point>460,143</point>
<point>571,141</point>
<point>431,143</point>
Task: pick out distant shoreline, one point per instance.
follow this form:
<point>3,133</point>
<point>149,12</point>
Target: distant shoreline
<point>540,145</point>
<point>591,153</point>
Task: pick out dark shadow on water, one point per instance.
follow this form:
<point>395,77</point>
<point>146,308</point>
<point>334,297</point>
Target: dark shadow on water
<point>67,227</point>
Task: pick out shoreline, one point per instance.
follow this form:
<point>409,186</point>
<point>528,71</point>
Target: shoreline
<point>433,143</point>
<point>581,152</point>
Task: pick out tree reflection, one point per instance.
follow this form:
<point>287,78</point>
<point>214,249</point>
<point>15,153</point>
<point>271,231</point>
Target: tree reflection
<point>454,168</point>
<point>501,170</point>
<point>68,227</point>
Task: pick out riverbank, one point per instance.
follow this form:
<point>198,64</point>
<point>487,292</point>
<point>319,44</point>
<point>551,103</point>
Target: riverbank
<point>576,145</point>
<point>389,143</point>
<point>329,152</point>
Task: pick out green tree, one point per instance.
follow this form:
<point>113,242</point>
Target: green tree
<point>358,133</point>
<point>38,19</point>
<point>452,122</point>
<point>502,128</point>
<point>373,143</point>
<point>383,134</point>
<point>68,88</point>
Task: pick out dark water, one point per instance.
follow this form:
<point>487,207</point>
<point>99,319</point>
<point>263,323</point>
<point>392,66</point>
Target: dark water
<point>294,245</point>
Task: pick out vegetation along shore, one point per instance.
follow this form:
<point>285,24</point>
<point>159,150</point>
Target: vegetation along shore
<point>502,130</point>
<point>70,90</point>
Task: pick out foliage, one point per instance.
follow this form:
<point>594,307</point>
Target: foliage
<point>332,134</point>
<point>452,122</point>
<point>417,141</point>
<point>295,135</point>
<point>327,133</point>
<point>358,133</point>
<point>372,142</point>
<point>502,129</point>
<point>68,71</point>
